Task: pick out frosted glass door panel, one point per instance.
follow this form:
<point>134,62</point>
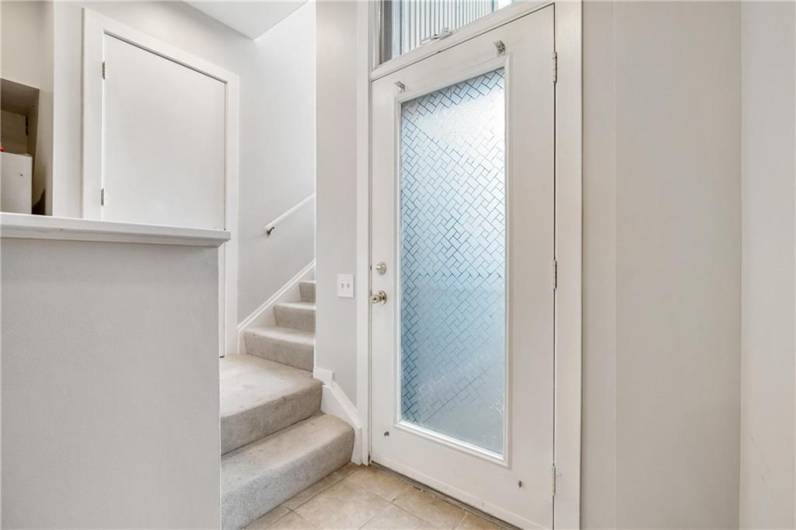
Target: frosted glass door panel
<point>453,261</point>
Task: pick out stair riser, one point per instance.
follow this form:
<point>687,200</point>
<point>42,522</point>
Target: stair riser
<point>296,318</point>
<point>270,489</point>
<point>240,429</point>
<point>293,354</point>
<point>307,290</point>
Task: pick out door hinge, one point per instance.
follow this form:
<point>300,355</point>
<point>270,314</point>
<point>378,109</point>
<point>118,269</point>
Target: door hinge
<point>555,476</point>
<point>555,67</point>
<point>102,197</point>
<point>103,69</point>
<point>555,274</point>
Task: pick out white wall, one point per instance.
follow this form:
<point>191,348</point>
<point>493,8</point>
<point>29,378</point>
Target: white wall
<point>15,132</point>
<point>96,434</point>
<point>662,265</point>
<point>335,335</point>
<point>277,125</point>
<point>278,157</point>
<point>767,360</point>
<point>678,264</point>
<point>27,58</point>
<point>599,298</point>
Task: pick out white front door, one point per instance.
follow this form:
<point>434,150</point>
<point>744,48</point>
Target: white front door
<point>463,221</point>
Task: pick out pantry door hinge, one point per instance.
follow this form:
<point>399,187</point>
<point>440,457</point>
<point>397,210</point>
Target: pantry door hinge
<point>555,67</point>
<point>103,70</point>
<point>555,476</point>
<point>102,196</point>
<point>555,274</point>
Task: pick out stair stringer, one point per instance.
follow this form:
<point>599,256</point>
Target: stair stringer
<point>264,315</point>
<point>335,402</point>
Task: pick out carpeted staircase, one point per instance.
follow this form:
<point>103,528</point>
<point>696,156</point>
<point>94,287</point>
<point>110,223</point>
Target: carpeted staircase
<point>275,441</point>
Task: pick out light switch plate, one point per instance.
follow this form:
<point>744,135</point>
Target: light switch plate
<point>345,286</point>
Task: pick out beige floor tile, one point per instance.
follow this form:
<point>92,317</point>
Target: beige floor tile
<point>348,469</point>
<point>474,522</point>
<point>302,497</point>
<point>342,506</point>
<point>396,518</point>
<point>292,521</point>
<point>382,483</point>
<point>268,519</point>
<point>431,508</point>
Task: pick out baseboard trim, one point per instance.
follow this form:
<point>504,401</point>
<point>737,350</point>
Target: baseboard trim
<point>263,314</point>
<point>336,403</point>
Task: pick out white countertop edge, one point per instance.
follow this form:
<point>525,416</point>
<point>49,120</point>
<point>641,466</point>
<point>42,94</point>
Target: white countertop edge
<point>23,226</point>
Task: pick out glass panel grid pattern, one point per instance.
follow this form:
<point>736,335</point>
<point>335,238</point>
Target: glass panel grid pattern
<point>421,20</point>
<point>407,24</point>
<point>453,261</point>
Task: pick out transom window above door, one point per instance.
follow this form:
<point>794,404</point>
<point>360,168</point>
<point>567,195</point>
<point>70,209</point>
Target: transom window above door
<point>407,24</point>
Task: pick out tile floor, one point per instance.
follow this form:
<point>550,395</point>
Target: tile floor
<point>371,498</point>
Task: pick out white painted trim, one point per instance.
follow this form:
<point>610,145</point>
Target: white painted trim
<point>569,240</point>
<point>228,304</point>
<point>335,402</point>
<point>24,226</point>
<point>568,331</point>
<point>366,12</point>
<point>95,26</point>
<point>264,315</point>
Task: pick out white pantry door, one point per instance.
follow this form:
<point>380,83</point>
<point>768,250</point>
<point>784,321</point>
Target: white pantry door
<point>163,140</point>
<point>463,219</point>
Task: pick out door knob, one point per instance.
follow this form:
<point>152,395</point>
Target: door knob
<point>379,297</point>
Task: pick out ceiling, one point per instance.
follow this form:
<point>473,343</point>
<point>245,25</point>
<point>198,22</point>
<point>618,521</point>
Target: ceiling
<point>252,18</point>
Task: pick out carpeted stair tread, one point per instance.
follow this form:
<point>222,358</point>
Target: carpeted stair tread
<point>260,397</point>
<point>258,477</point>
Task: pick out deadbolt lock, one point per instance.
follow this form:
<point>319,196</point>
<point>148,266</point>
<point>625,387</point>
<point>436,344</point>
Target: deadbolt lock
<point>381,267</point>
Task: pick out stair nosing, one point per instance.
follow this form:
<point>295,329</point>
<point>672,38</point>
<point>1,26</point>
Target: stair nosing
<point>252,446</point>
<point>301,336</point>
<point>299,305</point>
<point>282,397</point>
<point>250,475</point>
<point>303,381</point>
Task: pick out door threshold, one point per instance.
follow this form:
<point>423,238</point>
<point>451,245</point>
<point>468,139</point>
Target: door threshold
<point>447,498</point>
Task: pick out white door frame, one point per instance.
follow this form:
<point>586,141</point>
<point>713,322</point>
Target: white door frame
<point>95,27</point>
<point>568,223</point>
